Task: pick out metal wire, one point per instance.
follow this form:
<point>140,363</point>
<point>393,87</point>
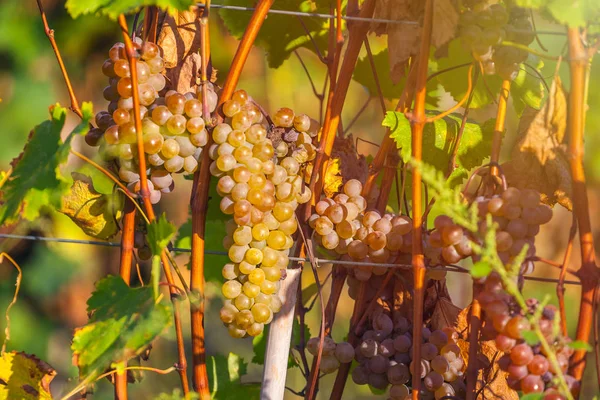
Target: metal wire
<point>450,268</point>
<point>351,18</point>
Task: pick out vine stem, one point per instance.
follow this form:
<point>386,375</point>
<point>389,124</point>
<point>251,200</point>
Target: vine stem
<point>499,127</point>
<point>418,262</point>
<point>461,102</point>
<point>560,286</point>
<point>588,272</point>
<point>145,195</point>
<point>50,34</point>
<point>388,145</point>
<point>14,299</point>
<point>357,33</point>
<point>199,373</point>
<point>474,326</point>
<point>127,244</point>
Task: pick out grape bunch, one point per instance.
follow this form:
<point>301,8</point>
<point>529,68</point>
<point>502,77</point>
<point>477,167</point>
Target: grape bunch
<point>518,214</point>
<point>527,366</point>
<point>384,355</point>
<point>261,192</point>
<point>293,134</point>
<point>343,227</point>
<point>448,243</point>
<point>173,128</point>
<point>333,353</point>
<point>483,29</point>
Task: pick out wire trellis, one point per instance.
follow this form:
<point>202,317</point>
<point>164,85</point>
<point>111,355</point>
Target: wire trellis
<point>353,18</point>
<point>450,268</point>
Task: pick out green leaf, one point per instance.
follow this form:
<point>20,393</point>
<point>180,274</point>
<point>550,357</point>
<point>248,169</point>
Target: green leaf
<point>527,90</point>
<point>438,141</point>
<point>124,322</point>
<point>177,395</point>
<point>224,375</point>
<point>36,180</point>
<point>481,269</point>
<point>280,35</point>
<point>576,13</point>
<point>113,8</point>
<point>363,74</point>
<point>455,81</point>
<point>160,233</point>
<point>530,337</point>
<point>580,345</point>
<point>532,396</point>
<point>259,344</point>
<point>23,376</point>
<point>308,292</point>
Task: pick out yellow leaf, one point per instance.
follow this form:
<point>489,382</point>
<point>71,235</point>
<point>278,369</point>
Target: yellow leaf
<point>23,376</point>
<point>333,177</point>
<point>93,212</point>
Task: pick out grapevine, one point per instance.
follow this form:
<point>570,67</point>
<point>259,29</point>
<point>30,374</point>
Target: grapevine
<point>334,252</point>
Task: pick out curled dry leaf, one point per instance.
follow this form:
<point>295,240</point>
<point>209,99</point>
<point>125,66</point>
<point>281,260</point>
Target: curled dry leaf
<point>180,40</point>
<point>353,165</point>
<point>539,159</point>
<point>24,376</point>
<point>404,38</point>
<point>93,212</point>
<point>445,313</point>
<point>491,380</point>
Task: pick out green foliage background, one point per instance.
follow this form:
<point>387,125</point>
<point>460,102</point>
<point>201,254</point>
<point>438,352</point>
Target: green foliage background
<point>59,278</point>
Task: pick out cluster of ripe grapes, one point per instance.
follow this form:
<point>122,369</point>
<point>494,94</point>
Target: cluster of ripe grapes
<point>518,214</point>
<point>384,357</point>
<point>333,354</point>
<point>173,128</point>
<point>343,227</point>
<point>528,367</point>
<point>484,28</point>
<point>261,187</point>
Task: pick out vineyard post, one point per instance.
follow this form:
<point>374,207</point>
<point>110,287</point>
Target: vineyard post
<point>418,120</point>
<point>588,272</point>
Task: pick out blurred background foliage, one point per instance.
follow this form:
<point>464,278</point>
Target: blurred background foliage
<point>58,278</point>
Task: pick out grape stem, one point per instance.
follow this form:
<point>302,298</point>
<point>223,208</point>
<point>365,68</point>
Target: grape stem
<point>14,299</point>
<point>528,50</point>
<point>50,34</point>
<point>388,145</point>
<point>461,102</point>
<point>145,194</point>
<point>499,128</point>
<point>564,268</point>
<point>127,241</point>
<point>199,372</point>
<point>418,120</point>
<point>579,64</point>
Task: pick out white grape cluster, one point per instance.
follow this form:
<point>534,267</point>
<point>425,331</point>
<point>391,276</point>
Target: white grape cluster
<point>261,191</point>
<point>344,228</point>
<point>173,128</point>
<point>385,360</point>
<point>333,354</point>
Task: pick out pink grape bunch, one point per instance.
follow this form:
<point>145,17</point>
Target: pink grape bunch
<point>333,354</point>
<point>528,367</point>
<point>385,362</point>
<point>173,129</point>
<point>261,191</point>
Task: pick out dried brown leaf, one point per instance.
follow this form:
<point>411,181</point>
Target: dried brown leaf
<point>353,165</point>
<point>179,39</point>
<point>491,381</point>
<point>445,21</point>
<point>444,314</point>
<point>185,77</point>
<point>539,159</point>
